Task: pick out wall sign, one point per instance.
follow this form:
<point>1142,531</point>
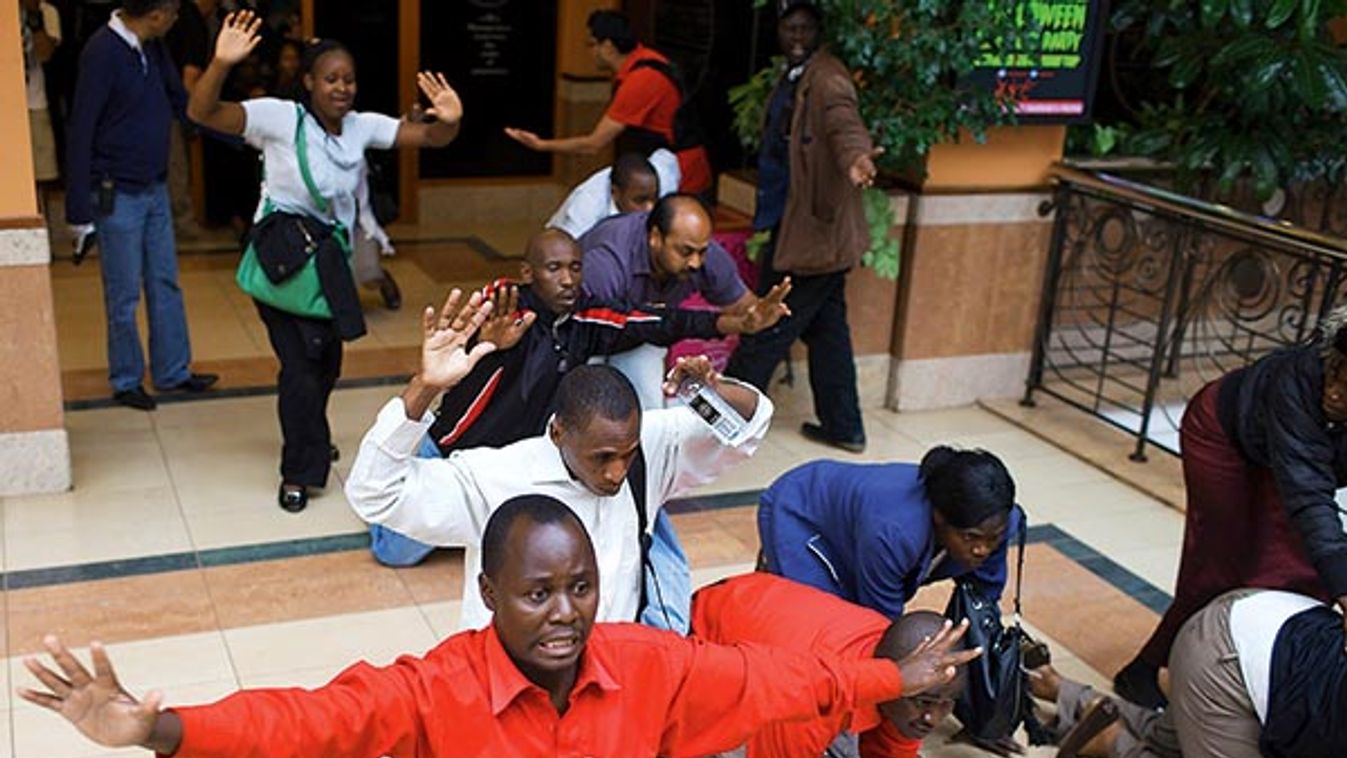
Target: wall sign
<point>1057,83</point>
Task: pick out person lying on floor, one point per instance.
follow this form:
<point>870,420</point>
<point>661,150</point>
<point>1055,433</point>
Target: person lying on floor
<point>542,680</point>
<point>1254,673</point>
<point>873,534</point>
<point>763,609</point>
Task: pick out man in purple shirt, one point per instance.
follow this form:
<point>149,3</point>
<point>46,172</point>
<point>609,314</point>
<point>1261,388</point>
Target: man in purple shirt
<point>661,257</point>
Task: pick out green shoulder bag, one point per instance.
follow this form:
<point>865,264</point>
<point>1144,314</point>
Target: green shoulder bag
<point>300,294</point>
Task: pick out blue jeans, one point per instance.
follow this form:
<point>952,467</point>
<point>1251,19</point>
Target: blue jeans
<point>393,549</point>
<point>668,595</point>
<point>136,250</point>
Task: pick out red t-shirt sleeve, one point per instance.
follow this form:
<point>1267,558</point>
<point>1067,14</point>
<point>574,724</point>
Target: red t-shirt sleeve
<point>643,99</point>
<point>885,741</point>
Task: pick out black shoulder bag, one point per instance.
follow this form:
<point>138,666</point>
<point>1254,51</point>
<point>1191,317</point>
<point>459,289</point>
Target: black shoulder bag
<point>995,699</point>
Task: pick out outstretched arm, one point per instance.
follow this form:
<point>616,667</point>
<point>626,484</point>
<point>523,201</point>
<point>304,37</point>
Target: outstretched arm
<point>238,36</point>
<point>762,313</point>
<point>97,704</point>
<point>603,135</point>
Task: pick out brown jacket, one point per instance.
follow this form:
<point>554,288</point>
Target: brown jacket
<point>823,229</point>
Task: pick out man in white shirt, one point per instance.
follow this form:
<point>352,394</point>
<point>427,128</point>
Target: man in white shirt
<point>584,460</point>
<point>633,183</point>
<point>1222,673</point>
<point>41,25</point>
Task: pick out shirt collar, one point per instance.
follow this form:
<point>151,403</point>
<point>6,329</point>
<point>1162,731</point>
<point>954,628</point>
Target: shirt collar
<point>548,467</point>
<point>116,24</point>
<point>635,56</point>
<point>506,682</point>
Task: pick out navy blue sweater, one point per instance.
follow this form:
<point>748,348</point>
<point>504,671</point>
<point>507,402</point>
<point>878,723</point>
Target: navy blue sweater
<point>120,119</point>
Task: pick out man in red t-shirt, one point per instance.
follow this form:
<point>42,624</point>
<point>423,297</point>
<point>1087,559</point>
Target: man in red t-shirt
<point>765,609</point>
<point>640,117</point>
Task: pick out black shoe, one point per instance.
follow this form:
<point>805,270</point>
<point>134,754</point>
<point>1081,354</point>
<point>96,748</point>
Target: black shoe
<point>193,383</point>
<point>388,290</point>
<point>1138,682</point>
<point>333,453</point>
<point>136,397</point>
<point>292,500</point>
<point>814,433</point>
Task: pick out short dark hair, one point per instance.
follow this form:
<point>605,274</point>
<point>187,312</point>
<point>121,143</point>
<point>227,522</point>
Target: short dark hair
<point>907,632</point>
<point>538,509</point>
<point>589,391</point>
<point>533,249</point>
<point>141,8</point>
<point>788,7</point>
<point>967,487</point>
<point>662,215</point>
<point>628,165</point>
<point>614,27</point>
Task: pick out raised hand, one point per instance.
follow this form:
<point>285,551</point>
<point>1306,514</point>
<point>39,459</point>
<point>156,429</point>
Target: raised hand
<point>935,662</point>
<point>97,705</point>
<point>507,324</point>
<point>444,103</point>
<point>524,137</point>
<point>444,357</point>
<point>239,34</point>
<point>698,367</point>
<point>769,309</point>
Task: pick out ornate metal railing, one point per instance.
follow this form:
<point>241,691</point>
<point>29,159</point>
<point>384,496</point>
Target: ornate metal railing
<point>1149,295</point>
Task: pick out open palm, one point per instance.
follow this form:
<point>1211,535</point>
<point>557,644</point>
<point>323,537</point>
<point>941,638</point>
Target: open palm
<point>97,705</point>
<point>444,103</point>
<point>239,34</point>
<point>445,358</point>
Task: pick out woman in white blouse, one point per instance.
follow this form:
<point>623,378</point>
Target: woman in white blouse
<point>335,137</point>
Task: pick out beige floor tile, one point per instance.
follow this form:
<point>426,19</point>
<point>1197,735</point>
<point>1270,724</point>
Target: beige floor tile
<point>1050,501</point>
<point>200,415</point>
<point>326,515</point>
<point>1115,534</point>
<point>936,427</point>
<point>329,644</point>
<point>82,508</point>
<point>97,422</point>
<point>1158,565</point>
<point>442,617</point>
<point>135,463</point>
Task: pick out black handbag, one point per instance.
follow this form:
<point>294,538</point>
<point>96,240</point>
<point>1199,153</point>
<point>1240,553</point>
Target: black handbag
<point>995,698</point>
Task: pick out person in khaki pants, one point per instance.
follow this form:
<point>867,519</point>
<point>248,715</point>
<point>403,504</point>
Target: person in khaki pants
<point>1255,672</point>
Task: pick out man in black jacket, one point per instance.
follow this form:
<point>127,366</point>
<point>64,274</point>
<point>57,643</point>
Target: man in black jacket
<point>542,329</point>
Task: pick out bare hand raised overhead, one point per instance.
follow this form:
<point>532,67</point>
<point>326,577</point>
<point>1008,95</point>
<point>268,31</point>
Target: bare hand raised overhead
<point>507,324</point>
<point>445,358</point>
<point>239,34</point>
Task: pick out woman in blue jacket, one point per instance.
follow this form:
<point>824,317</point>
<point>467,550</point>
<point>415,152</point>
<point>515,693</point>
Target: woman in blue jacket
<point>875,533</point>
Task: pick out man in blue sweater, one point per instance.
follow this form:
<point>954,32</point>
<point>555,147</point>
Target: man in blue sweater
<point>126,97</point>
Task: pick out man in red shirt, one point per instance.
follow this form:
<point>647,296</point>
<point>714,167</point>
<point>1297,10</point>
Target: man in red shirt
<point>542,680</point>
<point>640,117</point>
<point>765,609</point>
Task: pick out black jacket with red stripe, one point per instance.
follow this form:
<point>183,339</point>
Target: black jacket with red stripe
<point>509,394</point>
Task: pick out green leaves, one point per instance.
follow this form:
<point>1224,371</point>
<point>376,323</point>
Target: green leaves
<point>884,250</point>
<point>1246,89</point>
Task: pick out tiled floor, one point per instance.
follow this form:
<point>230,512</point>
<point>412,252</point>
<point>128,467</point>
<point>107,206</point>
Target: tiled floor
<point>171,548</point>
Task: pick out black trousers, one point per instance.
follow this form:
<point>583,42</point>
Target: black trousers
<point>310,354</point>
<point>819,318</point>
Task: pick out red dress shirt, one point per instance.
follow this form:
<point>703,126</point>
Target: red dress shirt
<point>639,692</point>
<point>646,98</point>
<point>765,609</point>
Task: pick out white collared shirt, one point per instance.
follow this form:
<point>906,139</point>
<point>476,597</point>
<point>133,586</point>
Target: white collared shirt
<point>592,200</point>
<point>129,37</point>
<point>447,501</point>
<point>1255,622</point>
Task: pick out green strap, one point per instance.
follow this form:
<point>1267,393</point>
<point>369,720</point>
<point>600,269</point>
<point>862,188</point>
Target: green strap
<point>302,153</point>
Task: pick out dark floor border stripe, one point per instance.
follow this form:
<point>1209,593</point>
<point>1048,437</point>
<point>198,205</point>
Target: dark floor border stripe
<point>1087,557</point>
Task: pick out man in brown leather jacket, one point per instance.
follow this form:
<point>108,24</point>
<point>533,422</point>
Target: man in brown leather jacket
<point>816,157</point>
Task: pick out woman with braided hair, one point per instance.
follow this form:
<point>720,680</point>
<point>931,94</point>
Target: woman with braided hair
<point>1264,452</point>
